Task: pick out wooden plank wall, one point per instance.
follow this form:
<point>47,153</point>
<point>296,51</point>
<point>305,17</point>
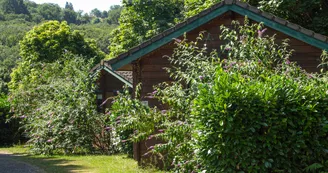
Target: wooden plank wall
<point>109,84</point>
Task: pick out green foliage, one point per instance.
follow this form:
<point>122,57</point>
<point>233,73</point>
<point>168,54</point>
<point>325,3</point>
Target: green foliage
<point>50,40</point>
<point>32,12</point>
<point>95,12</point>
<point>314,167</point>
<point>9,130</point>
<point>13,32</point>
<point>69,6</point>
<point>50,11</point>
<point>311,14</point>
<point>4,104</point>
<point>175,126</point>
<point>95,21</point>
<point>140,20</point>
<point>5,134</point>
<point>97,32</point>
<point>193,7</point>
<point>69,15</point>
<point>127,115</point>
<point>114,14</point>
<point>13,6</point>
<point>262,113</point>
<point>254,111</point>
<point>9,50</point>
<point>46,51</point>
<point>57,106</point>
<point>261,125</point>
<point>46,44</point>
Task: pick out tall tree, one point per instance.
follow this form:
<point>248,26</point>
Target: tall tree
<point>140,20</point>
<point>50,11</point>
<point>104,14</point>
<point>69,6</point>
<point>50,40</point>
<point>69,15</point>
<point>311,14</point>
<point>14,6</point>
<point>114,14</point>
<point>95,12</point>
<point>47,43</point>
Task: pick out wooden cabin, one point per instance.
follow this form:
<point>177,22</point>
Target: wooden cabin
<point>109,83</point>
<point>146,60</point>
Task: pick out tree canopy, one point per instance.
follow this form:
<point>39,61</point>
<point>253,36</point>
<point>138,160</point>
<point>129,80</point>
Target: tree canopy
<point>14,6</point>
<point>50,40</point>
<point>47,43</point>
<point>140,20</point>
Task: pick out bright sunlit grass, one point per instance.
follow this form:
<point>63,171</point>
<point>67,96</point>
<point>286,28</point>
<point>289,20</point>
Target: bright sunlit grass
<point>90,164</point>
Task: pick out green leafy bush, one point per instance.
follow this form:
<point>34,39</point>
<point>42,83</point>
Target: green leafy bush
<point>57,107</point>
<point>132,120</point>
<point>174,126</point>
<point>262,113</point>
<point>8,130</point>
<point>267,123</point>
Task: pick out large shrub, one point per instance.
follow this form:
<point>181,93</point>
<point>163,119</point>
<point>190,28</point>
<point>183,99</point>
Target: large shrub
<point>262,113</point>
<point>268,123</point>
<point>57,107</point>
<point>175,126</point>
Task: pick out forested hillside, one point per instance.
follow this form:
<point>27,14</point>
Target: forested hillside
<point>19,16</point>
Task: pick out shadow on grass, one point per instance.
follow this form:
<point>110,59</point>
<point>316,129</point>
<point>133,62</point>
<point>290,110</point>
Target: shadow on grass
<point>49,164</point>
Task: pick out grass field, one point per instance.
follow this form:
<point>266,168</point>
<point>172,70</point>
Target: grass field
<point>88,164</point>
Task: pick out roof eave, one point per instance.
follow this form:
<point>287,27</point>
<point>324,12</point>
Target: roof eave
<point>99,67</point>
<point>192,23</point>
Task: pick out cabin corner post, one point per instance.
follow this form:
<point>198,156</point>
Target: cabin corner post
<point>103,91</point>
<point>136,74</point>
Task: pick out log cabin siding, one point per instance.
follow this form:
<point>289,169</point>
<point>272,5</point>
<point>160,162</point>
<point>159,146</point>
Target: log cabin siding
<point>152,65</point>
<point>109,85</point>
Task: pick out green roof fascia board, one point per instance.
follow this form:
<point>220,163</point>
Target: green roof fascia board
<point>279,27</point>
<point>153,46</point>
<point>119,77</point>
<point>215,13</point>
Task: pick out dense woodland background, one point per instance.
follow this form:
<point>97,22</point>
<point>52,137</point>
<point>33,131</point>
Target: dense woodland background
<point>18,16</point>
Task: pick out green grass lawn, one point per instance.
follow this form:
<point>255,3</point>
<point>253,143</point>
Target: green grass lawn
<point>89,164</point>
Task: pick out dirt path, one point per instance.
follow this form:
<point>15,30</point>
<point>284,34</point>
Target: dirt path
<point>9,165</point>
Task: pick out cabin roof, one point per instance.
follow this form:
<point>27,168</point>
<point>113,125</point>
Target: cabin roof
<point>279,24</point>
<point>123,76</point>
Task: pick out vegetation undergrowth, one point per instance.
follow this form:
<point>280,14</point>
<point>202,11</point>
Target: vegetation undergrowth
<point>251,111</point>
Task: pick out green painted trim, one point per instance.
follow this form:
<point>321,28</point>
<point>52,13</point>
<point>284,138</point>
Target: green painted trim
<point>200,21</point>
<point>279,27</point>
<point>119,77</point>
<point>153,46</point>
